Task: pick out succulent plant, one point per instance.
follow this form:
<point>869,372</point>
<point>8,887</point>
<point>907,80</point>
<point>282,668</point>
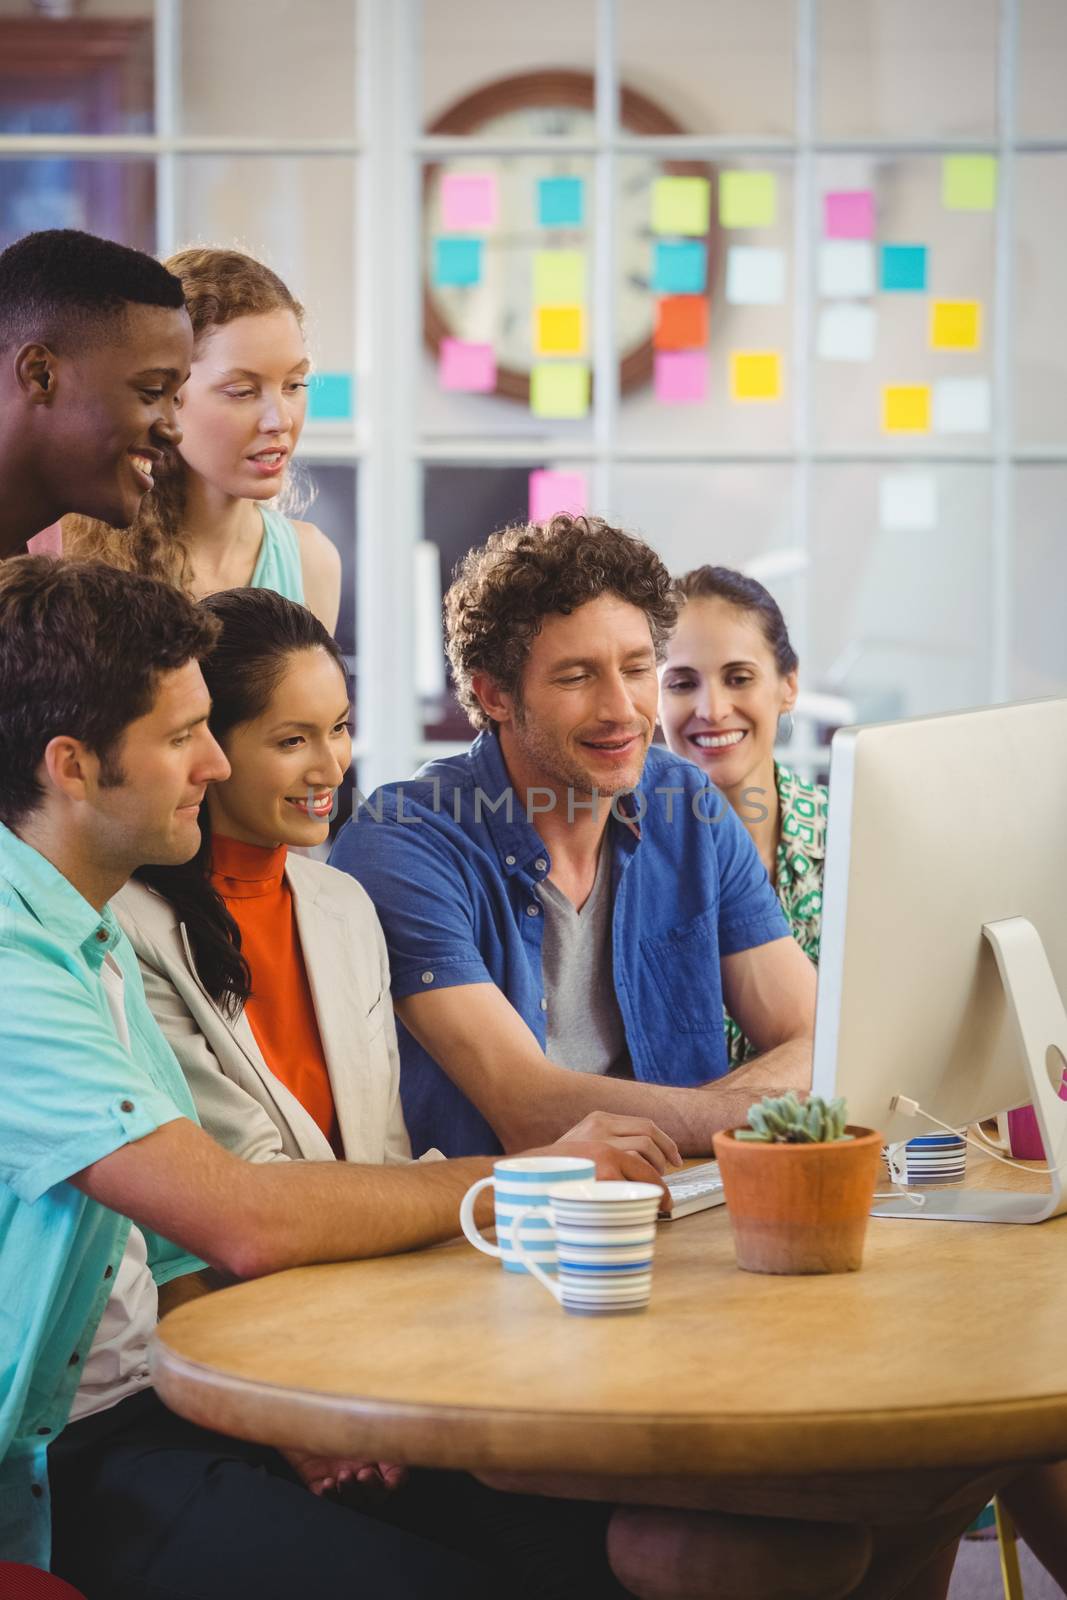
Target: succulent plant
<point>786,1121</point>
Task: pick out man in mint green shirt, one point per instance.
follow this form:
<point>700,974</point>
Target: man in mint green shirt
<point>105,756</point>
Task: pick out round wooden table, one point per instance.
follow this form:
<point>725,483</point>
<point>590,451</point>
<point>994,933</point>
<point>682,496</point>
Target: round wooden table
<point>945,1351</point>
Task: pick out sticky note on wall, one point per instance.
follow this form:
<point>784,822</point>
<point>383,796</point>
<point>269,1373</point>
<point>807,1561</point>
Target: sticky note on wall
<point>955,325</point>
<point>755,375</point>
<point>681,322</point>
<point>559,389</point>
<point>846,269</point>
<point>969,183</point>
<point>849,214</point>
<point>468,201</point>
<point>559,330</point>
<point>560,202</point>
<point>681,205</point>
<point>457,263</point>
<point>963,405</point>
<point>558,277</point>
<point>680,377</point>
<point>907,502</point>
<point>903,268</point>
<point>846,333</point>
<point>747,199</point>
<point>679,266</point>
<point>330,397</point>
<point>465,366</point>
<point>755,277</point>
<point>906,408</point>
<point>557,491</point>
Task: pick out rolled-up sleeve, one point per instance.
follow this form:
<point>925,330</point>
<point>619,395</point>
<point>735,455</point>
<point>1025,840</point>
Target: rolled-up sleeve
<point>71,1093</point>
<point>419,883</point>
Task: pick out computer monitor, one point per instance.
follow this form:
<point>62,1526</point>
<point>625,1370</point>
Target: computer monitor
<point>944,933</point>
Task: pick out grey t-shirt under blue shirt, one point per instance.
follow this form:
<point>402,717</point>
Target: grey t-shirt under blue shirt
<point>583,1022</point>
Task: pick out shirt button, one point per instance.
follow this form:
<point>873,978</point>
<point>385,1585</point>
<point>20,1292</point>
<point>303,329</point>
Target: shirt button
<point>541,864</point>
<point>75,1358</point>
<point>544,1005</point>
<point>427,977</point>
<point>126,1105</point>
<point>36,1490</point>
<point>44,1430</point>
<point>509,861</point>
<point>101,934</point>
<point>108,1271</point>
<point>531,911</point>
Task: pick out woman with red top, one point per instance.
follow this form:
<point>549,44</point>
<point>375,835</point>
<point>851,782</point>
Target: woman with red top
<point>267,972</point>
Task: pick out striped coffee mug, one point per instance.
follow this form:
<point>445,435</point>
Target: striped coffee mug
<point>520,1182</point>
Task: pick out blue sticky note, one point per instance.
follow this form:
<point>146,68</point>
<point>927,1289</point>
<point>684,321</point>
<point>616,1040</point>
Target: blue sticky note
<point>456,261</point>
<point>330,397</point>
<point>679,267</point>
<point>903,268</point>
<point>560,202</point>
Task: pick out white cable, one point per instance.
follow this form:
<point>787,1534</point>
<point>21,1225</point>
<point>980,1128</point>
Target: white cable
<point>918,1200</point>
<point>912,1108</point>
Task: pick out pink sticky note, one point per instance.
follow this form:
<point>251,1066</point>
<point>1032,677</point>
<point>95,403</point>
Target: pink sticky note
<point>466,366</point>
<point>849,214</point>
<point>468,202</point>
<point>557,491</point>
<point>681,377</point>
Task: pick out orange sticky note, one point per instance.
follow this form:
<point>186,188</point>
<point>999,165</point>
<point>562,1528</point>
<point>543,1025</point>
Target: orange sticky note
<point>955,325</point>
<point>906,408</point>
<point>559,331</point>
<point>681,322</point>
<point>755,375</point>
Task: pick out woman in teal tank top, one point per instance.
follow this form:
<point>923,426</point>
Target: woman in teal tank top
<point>208,523</point>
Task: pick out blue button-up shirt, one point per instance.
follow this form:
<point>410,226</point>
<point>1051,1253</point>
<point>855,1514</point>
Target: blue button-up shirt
<point>452,863</point>
<point>70,1094</point>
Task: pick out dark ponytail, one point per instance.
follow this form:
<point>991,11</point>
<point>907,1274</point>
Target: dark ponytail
<point>260,631</point>
<point>723,583</point>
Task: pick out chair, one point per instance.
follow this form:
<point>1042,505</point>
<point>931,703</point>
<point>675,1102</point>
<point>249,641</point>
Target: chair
<point>1009,1554</point>
<point>30,1583</point>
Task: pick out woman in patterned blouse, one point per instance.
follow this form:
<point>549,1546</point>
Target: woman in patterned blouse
<point>729,675</point>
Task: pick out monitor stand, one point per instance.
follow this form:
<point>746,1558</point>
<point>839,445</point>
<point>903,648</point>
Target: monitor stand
<point>1041,1024</point>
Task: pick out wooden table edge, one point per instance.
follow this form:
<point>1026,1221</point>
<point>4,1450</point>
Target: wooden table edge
<point>655,1444</point>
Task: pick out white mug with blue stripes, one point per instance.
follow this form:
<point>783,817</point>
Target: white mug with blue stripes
<point>519,1183</point>
<point>605,1237</point>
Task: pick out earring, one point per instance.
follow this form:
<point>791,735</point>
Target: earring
<point>785,735</point>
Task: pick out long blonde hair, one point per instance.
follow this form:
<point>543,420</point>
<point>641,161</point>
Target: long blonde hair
<point>220,286</point>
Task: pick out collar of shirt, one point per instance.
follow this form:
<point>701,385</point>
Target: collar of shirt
<point>53,900</point>
<point>515,839</point>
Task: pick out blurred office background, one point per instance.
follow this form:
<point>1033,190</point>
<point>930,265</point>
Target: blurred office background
<point>776,283</point>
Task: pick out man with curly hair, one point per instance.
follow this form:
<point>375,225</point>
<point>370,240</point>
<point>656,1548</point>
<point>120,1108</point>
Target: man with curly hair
<point>566,906</point>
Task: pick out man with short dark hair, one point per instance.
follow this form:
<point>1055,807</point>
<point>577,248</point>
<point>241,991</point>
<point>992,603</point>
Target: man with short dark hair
<point>564,896</point>
<point>105,754</point>
<point>95,343</point>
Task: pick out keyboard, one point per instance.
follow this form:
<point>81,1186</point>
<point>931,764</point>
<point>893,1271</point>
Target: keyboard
<point>694,1189</point>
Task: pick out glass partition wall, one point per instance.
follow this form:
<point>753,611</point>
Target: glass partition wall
<point>775,283</point>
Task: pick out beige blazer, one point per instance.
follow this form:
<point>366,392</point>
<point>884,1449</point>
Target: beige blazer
<point>240,1101</point>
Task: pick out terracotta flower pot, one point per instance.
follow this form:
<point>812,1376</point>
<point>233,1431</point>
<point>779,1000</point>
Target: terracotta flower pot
<point>799,1207</point>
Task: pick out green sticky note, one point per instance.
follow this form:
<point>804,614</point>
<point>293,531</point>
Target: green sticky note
<point>748,199</point>
<point>558,277</point>
<point>559,388</point>
<point>681,205</point>
<point>969,183</point>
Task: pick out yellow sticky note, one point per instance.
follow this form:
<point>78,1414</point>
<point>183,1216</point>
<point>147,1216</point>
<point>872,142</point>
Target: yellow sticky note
<point>558,277</point>
<point>559,389</point>
<point>969,183</point>
<point>681,205</point>
<point>955,324</point>
<point>559,331</point>
<point>755,375</point>
<point>747,199</point>
<point>906,408</point>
